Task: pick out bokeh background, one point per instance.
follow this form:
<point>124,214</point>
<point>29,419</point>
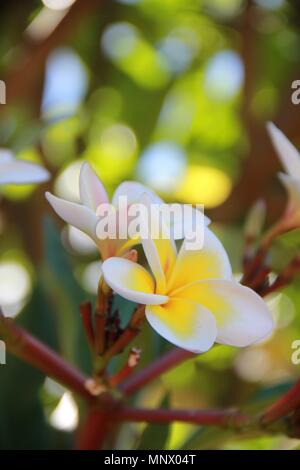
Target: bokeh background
<point>174,94</point>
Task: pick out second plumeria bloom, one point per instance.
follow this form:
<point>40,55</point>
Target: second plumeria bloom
<point>13,171</point>
<point>290,159</point>
<point>85,215</point>
<point>191,298</point>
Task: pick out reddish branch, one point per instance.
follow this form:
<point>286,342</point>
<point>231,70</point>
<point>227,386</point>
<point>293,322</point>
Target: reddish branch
<point>227,418</point>
<point>253,266</point>
<point>289,402</point>
<point>87,321</point>
<point>153,371</point>
<point>260,279</point>
<point>132,361</point>
<point>284,277</point>
<point>31,350</point>
<point>95,429</point>
<point>34,53</point>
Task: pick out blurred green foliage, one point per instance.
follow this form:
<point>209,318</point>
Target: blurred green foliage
<point>151,90</point>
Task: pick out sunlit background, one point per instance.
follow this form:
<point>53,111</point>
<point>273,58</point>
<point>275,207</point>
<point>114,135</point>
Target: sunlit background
<point>167,93</point>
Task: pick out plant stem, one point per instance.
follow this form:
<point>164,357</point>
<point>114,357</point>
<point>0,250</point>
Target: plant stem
<point>95,429</point>
<point>127,369</point>
<point>153,371</point>
<point>254,265</point>
<point>226,418</point>
<point>289,402</point>
<point>284,277</point>
<point>102,310</point>
<point>130,332</point>
<point>31,350</point>
<point>86,315</point>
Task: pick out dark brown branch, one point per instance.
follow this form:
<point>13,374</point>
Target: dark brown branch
<point>284,277</point>
<point>131,331</point>
<point>34,54</point>
<point>96,428</point>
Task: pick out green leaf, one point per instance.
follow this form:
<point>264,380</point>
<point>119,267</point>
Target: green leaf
<point>65,295</point>
<point>206,438</point>
<point>290,239</point>
<point>22,423</point>
<point>125,308</point>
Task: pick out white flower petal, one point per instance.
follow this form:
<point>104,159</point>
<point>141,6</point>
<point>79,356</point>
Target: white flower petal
<point>75,214</point>
<point>184,323</point>
<point>185,221</point>
<point>286,151</point>
<point>131,281</point>
<point>210,262</point>
<point>242,316</point>
<point>159,249</point>
<point>133,191</point>
<point>292,186</point>
<point>92,191</point>
<point>6,156</point>
<point>14,171</point>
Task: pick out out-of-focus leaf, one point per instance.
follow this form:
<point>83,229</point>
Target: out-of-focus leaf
<point>155,436</point>
<point>290,239</point>
<point>65,295</point>
<point>124,307</point>
<point>22,423</point>
<point>212,438</point>
<point>206,438</point>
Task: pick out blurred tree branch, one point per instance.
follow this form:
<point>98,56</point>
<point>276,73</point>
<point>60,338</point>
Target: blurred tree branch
<point>22,80</point>
<point>107,410</point>
<point>24,84</point>
<point>261,163</point>
<point>26,347</point>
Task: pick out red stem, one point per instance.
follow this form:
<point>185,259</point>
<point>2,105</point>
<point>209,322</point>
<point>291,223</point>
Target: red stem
<point>168,361</point>
<point>289,402</point>
<point>95,430</point>
<point>202,417</point>
<point>31,350</point>
<point>87,321</point>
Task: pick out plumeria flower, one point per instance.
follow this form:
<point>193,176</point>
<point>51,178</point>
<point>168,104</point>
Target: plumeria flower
<point>191,298</point>
<point>290,159</point>
<point>84,215</point>
<point>13,171</point>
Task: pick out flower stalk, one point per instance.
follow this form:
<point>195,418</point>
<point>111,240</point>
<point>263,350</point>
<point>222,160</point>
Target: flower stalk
<point>132,361</point>
<point>130,332</point>
<point>284,277</point>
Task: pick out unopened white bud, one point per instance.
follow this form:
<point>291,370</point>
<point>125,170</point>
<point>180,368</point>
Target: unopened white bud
<point>255,220</point>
